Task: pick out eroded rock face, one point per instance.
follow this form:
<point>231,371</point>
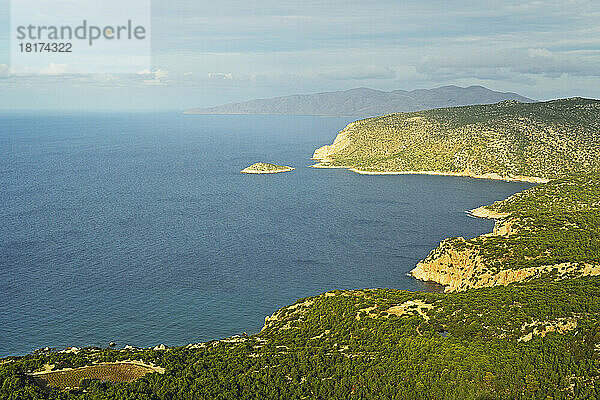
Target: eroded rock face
<point>341,141</point>
<point>462,267</point>
<point>450,266</point>
<point>458,264</point>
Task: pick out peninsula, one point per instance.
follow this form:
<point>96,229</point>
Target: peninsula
<point>509,140</point>
<point>266,168</point>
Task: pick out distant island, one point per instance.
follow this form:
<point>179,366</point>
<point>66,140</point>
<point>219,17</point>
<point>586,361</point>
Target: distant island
<point>364,102</point>
<point>266,168</point>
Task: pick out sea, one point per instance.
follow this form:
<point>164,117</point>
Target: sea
<point>139,229</point>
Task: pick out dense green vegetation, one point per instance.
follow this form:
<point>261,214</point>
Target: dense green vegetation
<point>554,223</point>
<point>550,140</point>
<point>551,229</point>
<point>525,341</point>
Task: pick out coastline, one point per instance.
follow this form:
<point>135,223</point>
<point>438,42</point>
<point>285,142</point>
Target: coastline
<point>451,280</point>
<point>483,212</point>
<point>466,174</point>
<point>479,212</point>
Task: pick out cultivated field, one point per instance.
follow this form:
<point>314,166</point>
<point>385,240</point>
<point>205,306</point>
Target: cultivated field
<point>108,372</point>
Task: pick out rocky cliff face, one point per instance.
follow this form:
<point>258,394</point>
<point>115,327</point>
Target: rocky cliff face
<point>458,264</point>
<point>450,266</point>
<point>341,141</point>
<point>458,271</point>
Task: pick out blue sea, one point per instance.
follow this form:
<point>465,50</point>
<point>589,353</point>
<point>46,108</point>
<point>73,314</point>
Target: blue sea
<point>140,229</point>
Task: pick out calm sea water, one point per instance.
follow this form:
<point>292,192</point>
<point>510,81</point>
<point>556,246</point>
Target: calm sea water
<point>139,229</point>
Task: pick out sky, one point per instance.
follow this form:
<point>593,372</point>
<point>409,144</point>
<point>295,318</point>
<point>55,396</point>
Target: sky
<point>207,53</point>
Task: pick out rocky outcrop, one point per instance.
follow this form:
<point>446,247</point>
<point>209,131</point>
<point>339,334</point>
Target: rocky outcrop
<point>453,264</point>
<point>484,212</point>
<point>458,264</point>
<point>458,271</point>
<point>542,328</point>
<point>284,314</point>
<point>323,153</point>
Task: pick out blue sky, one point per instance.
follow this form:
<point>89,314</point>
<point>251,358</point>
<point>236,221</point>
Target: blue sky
<point>206,53</point>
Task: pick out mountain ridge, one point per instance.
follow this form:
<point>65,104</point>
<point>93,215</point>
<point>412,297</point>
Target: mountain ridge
<point>364,102</point>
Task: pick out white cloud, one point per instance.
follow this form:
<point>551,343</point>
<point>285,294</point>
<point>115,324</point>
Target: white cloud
<point>220,76</point>
<point>4,70</point>
<point>160,77</point>
<point>56,69</point>
<point>509,64</point>
<point>539,53</point>
<point>161,74</point>
<point>359,73</point>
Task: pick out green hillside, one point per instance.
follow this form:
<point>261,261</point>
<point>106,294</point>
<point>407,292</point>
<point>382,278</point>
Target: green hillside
<point>526,341</point>
<point>553,223</point>
<point>549,140</point>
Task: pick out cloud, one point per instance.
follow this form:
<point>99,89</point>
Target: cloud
<point>525,6</point>
<point>359,73</point>
<point>57,69</point>
<point>220,76</point>
<point>544,53</point>
<point>510,64</point>
<point>240,50</point>
<point>158,77</point>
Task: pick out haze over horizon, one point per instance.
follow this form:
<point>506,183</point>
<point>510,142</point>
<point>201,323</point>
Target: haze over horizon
<point>206,54</point>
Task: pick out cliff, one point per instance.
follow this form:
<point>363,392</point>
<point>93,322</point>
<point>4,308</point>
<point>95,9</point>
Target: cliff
<point>549,230</point>
<point>460,269</point>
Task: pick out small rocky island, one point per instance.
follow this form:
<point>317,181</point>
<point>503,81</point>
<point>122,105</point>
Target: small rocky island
<point>266,168</point>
